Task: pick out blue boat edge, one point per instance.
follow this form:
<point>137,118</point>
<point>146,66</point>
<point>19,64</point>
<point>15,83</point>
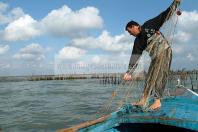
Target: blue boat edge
<point>178,110</point>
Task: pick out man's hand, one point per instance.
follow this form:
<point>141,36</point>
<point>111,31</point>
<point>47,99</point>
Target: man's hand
<point>127,77</point>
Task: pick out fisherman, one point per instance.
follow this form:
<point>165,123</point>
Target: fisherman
<point>149,38</point>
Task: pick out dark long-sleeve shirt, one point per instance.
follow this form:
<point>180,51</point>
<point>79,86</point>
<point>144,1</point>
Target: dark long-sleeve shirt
<point>147,30</point>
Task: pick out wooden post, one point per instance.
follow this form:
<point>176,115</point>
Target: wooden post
<point>85,124</point>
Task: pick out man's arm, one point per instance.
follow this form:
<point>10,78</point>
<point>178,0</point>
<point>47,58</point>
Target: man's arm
<point>135,55</point>
<point>158,21</point>
<point>132,62</point>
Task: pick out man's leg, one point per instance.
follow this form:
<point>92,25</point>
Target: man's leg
<point>149,83</point>
<point>152,49</point>
<point>157,74</point>
<point>166,59</point>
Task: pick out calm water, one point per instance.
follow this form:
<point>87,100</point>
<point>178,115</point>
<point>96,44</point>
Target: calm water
<point>45,106</point>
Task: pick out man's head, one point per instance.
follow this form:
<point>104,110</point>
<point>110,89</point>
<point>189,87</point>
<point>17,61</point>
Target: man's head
<point>133,28</point>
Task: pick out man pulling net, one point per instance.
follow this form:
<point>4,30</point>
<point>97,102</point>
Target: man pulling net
<point>149,38</point>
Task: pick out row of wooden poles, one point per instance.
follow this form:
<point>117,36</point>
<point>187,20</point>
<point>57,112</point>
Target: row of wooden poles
<point>105,76</point>
<point>116,79</point>
<point>172,81</point>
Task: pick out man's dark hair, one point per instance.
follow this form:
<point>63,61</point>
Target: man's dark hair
<point>131,23</point>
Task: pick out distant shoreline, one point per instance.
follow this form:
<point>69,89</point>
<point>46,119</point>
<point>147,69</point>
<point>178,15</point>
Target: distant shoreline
<point>142,75</point>
<point>23,76</point>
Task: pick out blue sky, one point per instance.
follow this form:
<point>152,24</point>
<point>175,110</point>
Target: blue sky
<point>45,36</point>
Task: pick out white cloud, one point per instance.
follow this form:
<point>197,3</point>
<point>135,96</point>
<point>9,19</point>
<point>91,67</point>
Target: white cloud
<point>99,60</point>
<point>49,49</point>
<point>183,37</point>
<point>105,42</point>
<point>62,22</point>
<point>70,53</point>
<point>3,7</point>
<point>21,29</point>
<point>32,52</point>
<point>4,49</point>
<point>65,22</point>
<point>20,26</point>
<point>3,19</point>
<point>188,22</point>
<point>4,66</point>
<point>93,64</point>
<point>7,16</point>
<point>16,13</point>
<point>178,49</point>
<point>189,56</point>
<point>185,44</point>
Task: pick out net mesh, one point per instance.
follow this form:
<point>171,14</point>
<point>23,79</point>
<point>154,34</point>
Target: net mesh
<point>131,91</point>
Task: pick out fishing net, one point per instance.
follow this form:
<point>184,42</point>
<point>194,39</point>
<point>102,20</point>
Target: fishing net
<point>131,91</point>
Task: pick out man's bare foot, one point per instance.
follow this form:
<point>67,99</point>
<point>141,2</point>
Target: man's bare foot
<point>156,105</point>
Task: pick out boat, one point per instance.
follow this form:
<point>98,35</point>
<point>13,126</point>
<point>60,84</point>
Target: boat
<point>179,112</point>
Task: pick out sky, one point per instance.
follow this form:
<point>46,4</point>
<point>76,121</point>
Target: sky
<point>40,37</point>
